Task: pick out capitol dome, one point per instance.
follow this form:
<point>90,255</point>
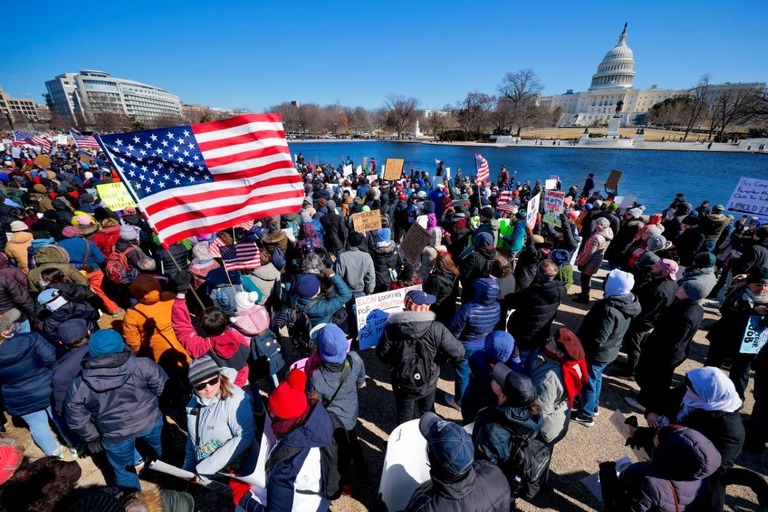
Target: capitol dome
<point>617,68</point>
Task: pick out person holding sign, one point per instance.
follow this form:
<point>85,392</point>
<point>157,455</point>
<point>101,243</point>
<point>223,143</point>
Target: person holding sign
<point>742,328</point>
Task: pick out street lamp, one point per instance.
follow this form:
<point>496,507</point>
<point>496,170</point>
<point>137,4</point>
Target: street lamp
<point>8,117</point>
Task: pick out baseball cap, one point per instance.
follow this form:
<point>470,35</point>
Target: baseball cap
<point>420,298</point>
<point>450,444</point>
<point>518,388</point>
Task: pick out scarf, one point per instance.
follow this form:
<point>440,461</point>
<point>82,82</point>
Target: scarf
<point>574,375</point>
<point>749,295</point>
<point>712,391</point>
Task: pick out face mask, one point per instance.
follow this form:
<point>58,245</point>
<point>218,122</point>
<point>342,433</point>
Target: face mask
<point>43,283</point>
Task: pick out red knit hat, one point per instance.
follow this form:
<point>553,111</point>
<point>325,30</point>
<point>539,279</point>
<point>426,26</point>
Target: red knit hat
<point>289,401</point>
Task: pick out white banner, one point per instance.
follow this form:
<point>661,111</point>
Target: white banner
<point>750,196</point>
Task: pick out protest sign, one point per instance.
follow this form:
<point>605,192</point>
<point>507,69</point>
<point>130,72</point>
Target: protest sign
<point>532,210</point>
<point>393,168</point>
<point>754,337</point>
<point>550,184</point>
<point>373,311</point>
<point>414,242</point>
<point>85,159</point>
<point>626,202</point>
<point>43,161</point>
<point>115,196</point>
<point>612,183</point>
<point>553,206</point>
<point>750,196</point>
<point>366,221</point>
<point>62,140</point>
<point>16,152</point>
<point>346,170</point>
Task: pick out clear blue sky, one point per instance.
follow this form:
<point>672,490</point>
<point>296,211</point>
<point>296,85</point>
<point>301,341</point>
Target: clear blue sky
<point>256,53</point>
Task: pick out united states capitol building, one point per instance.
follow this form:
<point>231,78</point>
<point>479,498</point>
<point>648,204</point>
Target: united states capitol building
<point>612,83</point>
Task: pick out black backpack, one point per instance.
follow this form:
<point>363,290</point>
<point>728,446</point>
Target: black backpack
<point>329,462</point>
<point>528,467</point>
<point>299,325</point>
<point>412,373</point>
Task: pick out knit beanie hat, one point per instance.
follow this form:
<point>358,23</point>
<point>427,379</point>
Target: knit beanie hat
<point>499,346</point>
<point>331,205</point>
<point>695,289</point>
<point>202,369</point>
<point>307,285</point>
<point>483,240</point>
<point>18,225</point>
<point>332,344</point>
<point>613,207</point>
<point>569,344</point>
<point>653,231</point>
<point>487,212</point>
<point>618,282</point>
<point>560,257</point>
<point>83,219</point>
<point>129,232</point>
<point>758,275</point>
<point>105,341</point>
<point>704,260</point>
<point>384,236</point>
<point>289,401</point>
<point>657,243</point>
<point>636,213</point>
<point>246,300</point>
<point>70,232</point>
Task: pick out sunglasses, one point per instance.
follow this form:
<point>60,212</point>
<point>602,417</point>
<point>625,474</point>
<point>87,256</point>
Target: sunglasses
<point>201,387</point>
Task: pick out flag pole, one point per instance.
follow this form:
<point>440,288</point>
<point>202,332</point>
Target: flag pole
<point>135,197</point>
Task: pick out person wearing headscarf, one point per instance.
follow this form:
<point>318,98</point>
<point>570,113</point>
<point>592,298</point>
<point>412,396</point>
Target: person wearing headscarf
<point>592,257</point>
<point>558,372</point>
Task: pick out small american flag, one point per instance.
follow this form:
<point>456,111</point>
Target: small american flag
<point>83,141</point>
<point>33,140</point>
<point>483,171</point>
<point>203,178</point>
<point>242,256</point>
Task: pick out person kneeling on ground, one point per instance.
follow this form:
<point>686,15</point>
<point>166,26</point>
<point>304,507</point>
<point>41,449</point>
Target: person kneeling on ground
<point>458,481</point>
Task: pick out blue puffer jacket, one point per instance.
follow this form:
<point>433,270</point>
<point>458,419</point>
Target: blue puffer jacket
<point>295,483</point>
<point>26,370</point>
<point>476,319</point>
<point>322,311</point>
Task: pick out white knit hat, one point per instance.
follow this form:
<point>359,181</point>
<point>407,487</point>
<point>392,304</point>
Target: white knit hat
<point>246,300</point>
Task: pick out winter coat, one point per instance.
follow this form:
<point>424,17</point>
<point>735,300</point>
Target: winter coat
<point>14,295</point>
<point>115,397</point>
<point>356,269</point>
<point>17,248</point>
<point>535,310</point>
<point>483,489</point>
<point>221,435</point>
<point>527,264</point>
<point>712,225</point>
<point>688,245</point>
<point>666,485</point>
<point>295,483</point>
<point>334,234</point>
<point>474,266</point>
<point>133,256</point>
<point>654,297</point>
<point>106,238</point>
<point>476,319</point>
<point>592,257</point>
<point>669,343</point>
<point>66,312</point>
<point>26,369</point>
<point>437,343</point>
<point>147,326</point>
<point>618,251</point>
<point>754,256</point>
<point>479,393</point>
<point>7,270</point>
<point>76,248</point>
<point>547,376</point>
<point>264,278</point>
<point>229,349</point>
<point>326,379</point>
<point>728,331</point>
<point>492,228</point>
<point>605,325</point>
<point>65,371</point>
<point>444,287</point>
<point>385,258</point>
<point>166,259</point>
<point>498,433</point>
<point>52,256</point>
<point>322,311</point>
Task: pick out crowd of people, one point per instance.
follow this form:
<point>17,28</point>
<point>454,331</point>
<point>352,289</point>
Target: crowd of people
<point>188,342</point>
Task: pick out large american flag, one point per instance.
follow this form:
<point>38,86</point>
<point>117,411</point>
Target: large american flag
<point>83,141</point>
<point>483,171</point>
<point>198,179</point>
<point>242,256</point>
<point>31,139</point>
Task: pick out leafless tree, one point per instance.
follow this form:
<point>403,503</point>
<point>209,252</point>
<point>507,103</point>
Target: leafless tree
<point>520,91</point>
<point>699,105</point>
<point>472,113</point>
<point>733,105</point>
<point>401,112</point>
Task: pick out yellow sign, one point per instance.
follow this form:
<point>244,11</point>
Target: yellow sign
<point>115,196</point>
<point>85,159</point>
<point>393,169</point>
<point>43,161</point>
<point>366,221</point>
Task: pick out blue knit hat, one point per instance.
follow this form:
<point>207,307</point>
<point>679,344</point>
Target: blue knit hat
<point>307,285</point>
<point>332,344</point>
<point>104,342</point>
<point>499,346</point>
<point>384,235</point>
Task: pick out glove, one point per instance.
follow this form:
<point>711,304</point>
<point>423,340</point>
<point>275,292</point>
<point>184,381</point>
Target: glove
<point>182,281</point>
<point>326,273</point>
<point>94,447</point>
<point>643,438</point>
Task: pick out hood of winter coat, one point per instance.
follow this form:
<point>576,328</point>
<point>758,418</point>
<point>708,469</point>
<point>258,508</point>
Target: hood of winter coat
<point>435,237</point>
<point>514,418</point>
<point>685,454</point>
<point>307,231</point>
<point>105,373</point>
<point>226,344</point>
<point>21,237</point>
<point>146,289</point>
<point>317,431</point>
<point>606,233</point>
<point>51,254</point>
<point>627,304</point>
<point>486,291</point>
<point>389,248</point>
<point>410,324</point>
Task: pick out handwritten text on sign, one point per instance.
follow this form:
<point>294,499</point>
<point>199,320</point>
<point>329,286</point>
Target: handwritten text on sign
<point>754,337</point>
<point>750,196</point>
<point>553,206</point>
<point>366,221</point>
<point>115,196</point>
<point>373,311</point>
<point>532,211</point>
